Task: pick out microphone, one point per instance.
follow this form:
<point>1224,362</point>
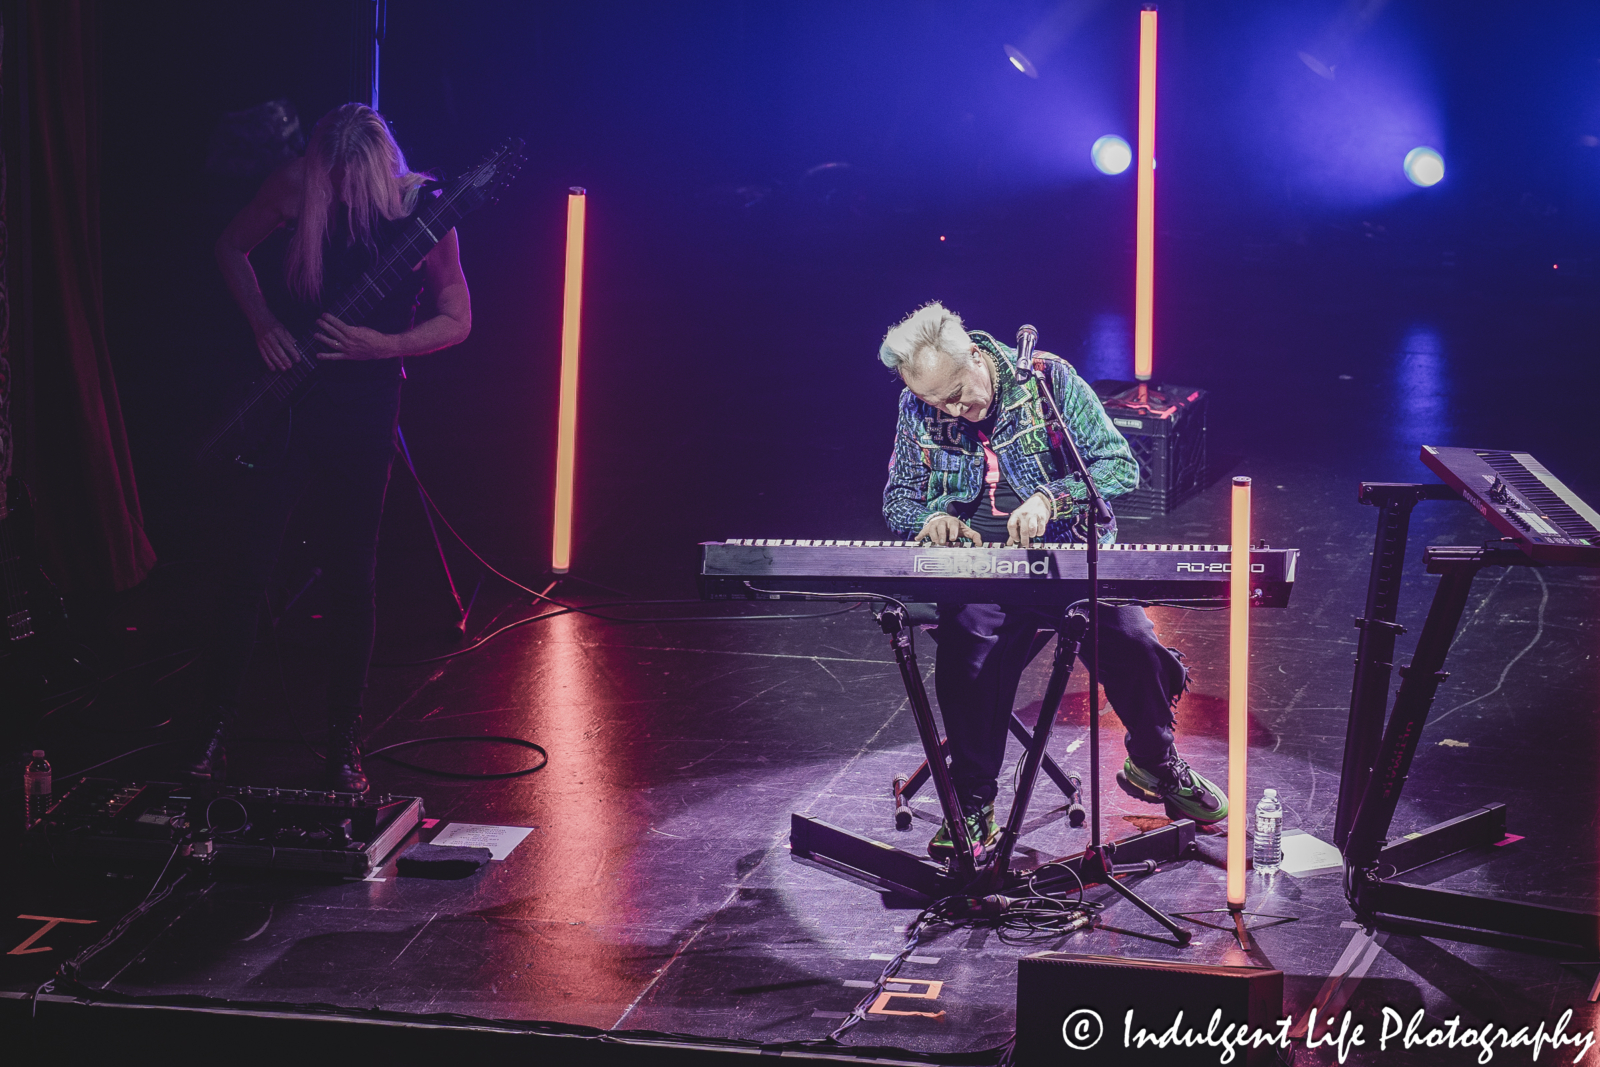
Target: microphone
<point>1027,337</point>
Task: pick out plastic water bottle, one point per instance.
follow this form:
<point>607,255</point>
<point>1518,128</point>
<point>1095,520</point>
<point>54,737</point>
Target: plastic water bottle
<point>35,788</point>
<point>1267,855</point>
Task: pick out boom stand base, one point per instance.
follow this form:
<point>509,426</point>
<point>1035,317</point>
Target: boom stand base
<point>1238,922</point>
<point>887,869</point>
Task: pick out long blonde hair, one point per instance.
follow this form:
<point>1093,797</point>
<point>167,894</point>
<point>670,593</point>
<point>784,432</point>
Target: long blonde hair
<point>355,140</point>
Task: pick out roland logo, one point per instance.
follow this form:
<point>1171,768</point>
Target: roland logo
<point>963,565</point>
<point>1217,568</point>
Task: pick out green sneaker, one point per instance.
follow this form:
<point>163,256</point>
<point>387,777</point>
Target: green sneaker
<point>1184,790</point>
<point>981,830</point>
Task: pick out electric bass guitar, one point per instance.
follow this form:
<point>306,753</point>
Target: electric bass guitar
<point>240,438</point>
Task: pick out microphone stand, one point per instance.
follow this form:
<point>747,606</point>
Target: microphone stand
<point>1098,859</point>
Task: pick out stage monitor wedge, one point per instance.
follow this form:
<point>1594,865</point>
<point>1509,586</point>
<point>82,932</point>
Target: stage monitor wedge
<point>1075,1009</point>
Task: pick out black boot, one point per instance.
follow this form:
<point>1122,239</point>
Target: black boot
<point>207,759</point>
<point>344,755</point>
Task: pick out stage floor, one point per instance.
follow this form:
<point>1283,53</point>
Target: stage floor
<point>655,891</point>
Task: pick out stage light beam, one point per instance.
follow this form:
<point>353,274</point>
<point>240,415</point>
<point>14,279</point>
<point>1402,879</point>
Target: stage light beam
<point>1424,166</point>
<point>1145,229</point>
<point>1111,154</point>
<point>567,424</point>
<point>1238,691</point>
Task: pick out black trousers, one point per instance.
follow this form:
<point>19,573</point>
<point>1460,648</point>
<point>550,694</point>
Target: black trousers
<point>344,434</point>
<point>983,649</point>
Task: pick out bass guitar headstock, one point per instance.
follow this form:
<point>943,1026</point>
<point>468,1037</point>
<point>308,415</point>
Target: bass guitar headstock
<point>480,185</point>
<point>499,168</point>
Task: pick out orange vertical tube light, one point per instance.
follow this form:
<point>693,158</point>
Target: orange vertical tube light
<point>567,420</point>
<point>1238,688</point>
<point>1144,271</point>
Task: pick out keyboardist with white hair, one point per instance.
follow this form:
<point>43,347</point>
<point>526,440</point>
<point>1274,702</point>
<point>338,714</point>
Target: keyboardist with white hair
<point>972,460</point>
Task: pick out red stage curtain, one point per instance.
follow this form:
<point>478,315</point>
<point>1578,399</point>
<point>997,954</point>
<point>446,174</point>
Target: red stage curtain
<point>90,525</point>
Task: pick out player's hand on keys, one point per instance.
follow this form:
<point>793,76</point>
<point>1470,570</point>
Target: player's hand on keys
<point>1029,520</point>
<point>947,530</point>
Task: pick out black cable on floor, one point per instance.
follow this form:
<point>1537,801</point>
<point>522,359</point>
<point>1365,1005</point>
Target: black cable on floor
<point>927,917</point>
<point>380,753</point>
<point>1038,915</point>
<point>1042,915</point>
<point>572,607</point>
<point>568,609</point>
<point>70,969</point>
<point>113,759</point>
<point>283,685</point>
<point>69,697</point>
<point>544,757</point>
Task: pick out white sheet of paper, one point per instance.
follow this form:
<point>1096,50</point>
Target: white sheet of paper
<point>499,840</point>
<point>1305,854</point>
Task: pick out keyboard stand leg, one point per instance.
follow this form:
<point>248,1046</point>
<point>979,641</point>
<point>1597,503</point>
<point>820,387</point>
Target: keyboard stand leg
<point>1426,910</point>
<point>894,624</point>
<point>874,864</point>
<point>904,787</point>
<point>1369,693</point>
<point>907,787</point>
<point>1418,685</point>
<point>1068,641</point>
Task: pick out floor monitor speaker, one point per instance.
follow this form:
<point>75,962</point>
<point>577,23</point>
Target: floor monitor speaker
<point>1077,1009</point>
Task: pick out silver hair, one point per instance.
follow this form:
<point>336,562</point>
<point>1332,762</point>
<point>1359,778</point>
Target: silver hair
<point>931,328</point>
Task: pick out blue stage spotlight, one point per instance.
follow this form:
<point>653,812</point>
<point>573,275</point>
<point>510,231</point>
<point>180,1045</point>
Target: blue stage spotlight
<point>1424,166</point>
<point>1111,154</point>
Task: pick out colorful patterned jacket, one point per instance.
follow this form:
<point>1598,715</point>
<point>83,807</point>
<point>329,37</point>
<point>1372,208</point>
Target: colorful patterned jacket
<point>938,462</point>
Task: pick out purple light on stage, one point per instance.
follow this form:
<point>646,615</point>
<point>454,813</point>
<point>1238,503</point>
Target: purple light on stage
<point>1328,127</point>
<point>1042,123</point>
<point>1108,350</point>
<point>1422,389</point>
<point>1317,66</point>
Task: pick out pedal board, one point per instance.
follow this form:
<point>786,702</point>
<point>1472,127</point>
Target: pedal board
<point>248,826</point>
